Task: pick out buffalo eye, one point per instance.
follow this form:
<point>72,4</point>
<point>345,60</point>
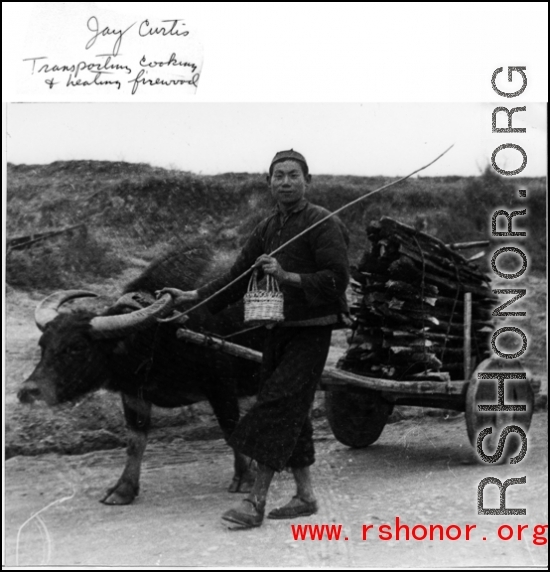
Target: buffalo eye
<point>76,349</point>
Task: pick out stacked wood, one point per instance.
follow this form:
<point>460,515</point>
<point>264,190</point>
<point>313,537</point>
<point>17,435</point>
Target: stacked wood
<point>409,309</point>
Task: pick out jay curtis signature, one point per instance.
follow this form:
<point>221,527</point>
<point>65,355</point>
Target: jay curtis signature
<point>145,29</point>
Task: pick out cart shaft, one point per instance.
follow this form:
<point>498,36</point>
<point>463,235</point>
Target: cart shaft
<point>332,376</point>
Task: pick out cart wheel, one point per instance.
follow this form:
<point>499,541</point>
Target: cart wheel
<point>356,418</point>
<point>517,391</point>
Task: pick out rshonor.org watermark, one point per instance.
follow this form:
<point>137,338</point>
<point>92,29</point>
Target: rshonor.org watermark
<point>515,249</point>
<point>401,531</point>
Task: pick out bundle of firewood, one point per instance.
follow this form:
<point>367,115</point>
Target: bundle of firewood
<point>409,311</point>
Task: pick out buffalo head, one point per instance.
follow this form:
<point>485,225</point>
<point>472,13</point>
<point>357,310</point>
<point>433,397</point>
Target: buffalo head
<point>75,346</point>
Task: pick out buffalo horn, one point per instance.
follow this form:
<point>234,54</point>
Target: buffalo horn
<point>115,326</point>
<point>131,300</point>
<point>47,310</point>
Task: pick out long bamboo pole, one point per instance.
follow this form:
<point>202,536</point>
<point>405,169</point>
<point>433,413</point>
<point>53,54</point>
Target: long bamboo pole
<point>284,245</point>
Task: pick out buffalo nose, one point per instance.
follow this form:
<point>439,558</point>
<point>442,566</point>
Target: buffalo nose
<point>28,394</point>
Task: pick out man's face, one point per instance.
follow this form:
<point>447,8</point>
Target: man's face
<point>288,183</point>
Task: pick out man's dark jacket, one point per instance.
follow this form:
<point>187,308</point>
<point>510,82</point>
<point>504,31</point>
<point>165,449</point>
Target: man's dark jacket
<point>320,257</point>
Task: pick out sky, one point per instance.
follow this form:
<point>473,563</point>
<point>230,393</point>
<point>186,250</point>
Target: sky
<point>389,139</point>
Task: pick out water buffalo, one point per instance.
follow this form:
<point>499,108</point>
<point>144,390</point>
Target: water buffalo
<point>127,350</point>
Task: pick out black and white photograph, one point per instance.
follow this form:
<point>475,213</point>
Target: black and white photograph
<point>246,329</point>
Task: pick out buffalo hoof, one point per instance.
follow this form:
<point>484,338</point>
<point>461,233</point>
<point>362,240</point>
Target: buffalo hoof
<point>120,494</point>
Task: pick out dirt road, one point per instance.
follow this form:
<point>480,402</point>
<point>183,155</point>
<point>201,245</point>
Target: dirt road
<point>422,471</point>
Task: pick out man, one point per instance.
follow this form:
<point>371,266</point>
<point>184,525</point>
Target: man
<point>313,274</point>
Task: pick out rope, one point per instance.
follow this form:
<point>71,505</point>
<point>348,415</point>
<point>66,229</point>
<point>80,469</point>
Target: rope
<point>347,205</point>
<point>240,332</point>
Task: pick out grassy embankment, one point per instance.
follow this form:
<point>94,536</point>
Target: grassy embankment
<point>134,211</point>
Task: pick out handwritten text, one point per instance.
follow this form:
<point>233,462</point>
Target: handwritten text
<point>146,65</point>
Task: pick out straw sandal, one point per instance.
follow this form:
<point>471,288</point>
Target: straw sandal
<point>292,510</point>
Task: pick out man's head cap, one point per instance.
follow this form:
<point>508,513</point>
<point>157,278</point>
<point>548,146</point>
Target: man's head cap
<point>289,155</point>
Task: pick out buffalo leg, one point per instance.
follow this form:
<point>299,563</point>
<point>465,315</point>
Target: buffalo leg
<point>226,409</point>
<point>137,413</point>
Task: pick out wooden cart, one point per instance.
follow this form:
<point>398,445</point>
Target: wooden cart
<point>358,407</point>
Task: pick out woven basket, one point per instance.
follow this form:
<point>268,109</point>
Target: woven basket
<point>263,306</point>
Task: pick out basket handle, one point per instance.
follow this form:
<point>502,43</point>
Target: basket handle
<point>253,282</point>
<point>272,284</point>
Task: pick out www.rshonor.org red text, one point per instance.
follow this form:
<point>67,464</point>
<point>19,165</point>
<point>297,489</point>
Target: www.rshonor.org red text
<point>417,532</point>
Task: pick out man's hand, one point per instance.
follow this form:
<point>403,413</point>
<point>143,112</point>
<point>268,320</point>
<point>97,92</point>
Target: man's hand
<point>179,296</point>
<point>271,266</point>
